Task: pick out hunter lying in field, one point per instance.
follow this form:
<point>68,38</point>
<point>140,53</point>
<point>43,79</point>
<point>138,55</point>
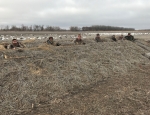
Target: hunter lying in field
<point>15,44</point>
<point>78,40</point>
<point>50,41</point>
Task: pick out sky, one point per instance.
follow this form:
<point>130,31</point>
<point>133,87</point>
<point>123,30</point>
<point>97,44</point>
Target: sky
<point>66,13</point>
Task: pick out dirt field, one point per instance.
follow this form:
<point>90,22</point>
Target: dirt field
<point>106,78</point>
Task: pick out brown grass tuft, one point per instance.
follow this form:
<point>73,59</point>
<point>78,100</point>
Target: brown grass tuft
<point>35,70</point>
<point>28,41</point>
<point>2,47</point>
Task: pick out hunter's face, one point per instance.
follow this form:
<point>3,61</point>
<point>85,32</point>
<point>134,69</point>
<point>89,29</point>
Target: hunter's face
<point>51,39</point>
<point>14,41</point>
<point>79,37</point>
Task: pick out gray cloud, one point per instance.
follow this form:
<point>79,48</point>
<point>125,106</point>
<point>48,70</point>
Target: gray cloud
<point>66,13</point>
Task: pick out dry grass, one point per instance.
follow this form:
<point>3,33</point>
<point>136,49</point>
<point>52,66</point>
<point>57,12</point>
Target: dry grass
<point>28,41</point>
<point>96,78</point>
<point>2,47</point>
<point>44,46</point>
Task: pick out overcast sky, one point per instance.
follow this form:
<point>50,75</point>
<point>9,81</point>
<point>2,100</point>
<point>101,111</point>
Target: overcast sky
<point>66,13</point>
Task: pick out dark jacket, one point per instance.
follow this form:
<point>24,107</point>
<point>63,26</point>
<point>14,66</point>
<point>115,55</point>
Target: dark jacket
<point>97,39</point>
<point>129,37</point>
<point>53,43</point>
<point>14,45</point>
<point>114,39</point>
<point>50,42</point>
<point>79,41</point>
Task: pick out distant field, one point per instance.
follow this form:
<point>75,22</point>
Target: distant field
<point>106,78</point>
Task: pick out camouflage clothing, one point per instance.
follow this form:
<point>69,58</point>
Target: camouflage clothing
<point>113,38</point>
<point>120,37</point>
<point>51,42</point>
<point>15,45</point>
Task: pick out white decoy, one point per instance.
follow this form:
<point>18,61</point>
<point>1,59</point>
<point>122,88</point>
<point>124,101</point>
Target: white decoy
<point>55,37</point>
<point>84,37</point>
<point>3,38</point>
<point>39,38</point>
<point>60,37</point>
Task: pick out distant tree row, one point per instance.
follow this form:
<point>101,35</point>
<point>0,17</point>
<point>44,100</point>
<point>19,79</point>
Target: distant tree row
<point>56,28</point>
<point>31,28</point>
<point>106,28</point>
<point>75,28</point>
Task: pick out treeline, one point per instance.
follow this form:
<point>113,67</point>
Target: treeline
<point>144,30</point>
<point>106,28</point>
<point>31,28</point>
<point>56,28</point>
